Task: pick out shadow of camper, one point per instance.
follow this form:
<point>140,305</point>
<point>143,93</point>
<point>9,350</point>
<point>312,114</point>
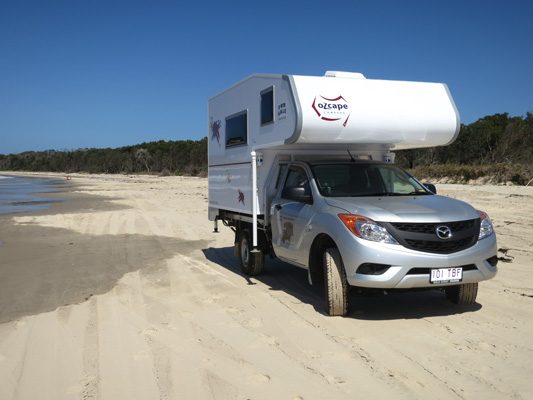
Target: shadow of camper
<point>364,304</point>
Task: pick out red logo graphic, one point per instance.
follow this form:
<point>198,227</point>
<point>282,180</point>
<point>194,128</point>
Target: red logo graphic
<point>215,130</point>
<point>241,197</point>
<point>332,109</point>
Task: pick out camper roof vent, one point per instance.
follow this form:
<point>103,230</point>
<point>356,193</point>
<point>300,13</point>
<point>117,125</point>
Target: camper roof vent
<point>343,74</point>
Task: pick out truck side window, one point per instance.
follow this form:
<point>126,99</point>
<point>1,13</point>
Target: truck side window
<point>296,178</point>
<point>282,169</point>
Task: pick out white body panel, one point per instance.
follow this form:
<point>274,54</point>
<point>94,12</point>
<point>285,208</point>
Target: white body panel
<point>402,114</point>
<point>318,117</point>
<point>245,95</point>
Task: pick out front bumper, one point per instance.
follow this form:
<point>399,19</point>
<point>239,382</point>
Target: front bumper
<point>357,251</point>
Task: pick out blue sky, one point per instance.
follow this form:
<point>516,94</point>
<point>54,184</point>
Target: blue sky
<point>77,74</point>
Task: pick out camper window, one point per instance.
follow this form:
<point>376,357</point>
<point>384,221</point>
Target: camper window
<point>237,129</point>
<point>267,106</point>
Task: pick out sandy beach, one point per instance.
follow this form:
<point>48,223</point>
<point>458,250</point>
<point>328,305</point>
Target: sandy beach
<point>123,292</point>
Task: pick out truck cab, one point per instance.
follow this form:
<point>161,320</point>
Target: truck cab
<point>380,227</point>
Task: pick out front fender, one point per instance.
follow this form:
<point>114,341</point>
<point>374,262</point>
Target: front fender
<point>328,224</point>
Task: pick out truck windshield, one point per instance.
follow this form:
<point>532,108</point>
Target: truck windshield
<point>360,179</point>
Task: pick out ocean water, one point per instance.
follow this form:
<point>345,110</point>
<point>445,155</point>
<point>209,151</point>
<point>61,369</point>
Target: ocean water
<point>18,194</point>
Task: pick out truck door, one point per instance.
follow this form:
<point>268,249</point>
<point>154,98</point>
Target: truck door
<point>291,213</point>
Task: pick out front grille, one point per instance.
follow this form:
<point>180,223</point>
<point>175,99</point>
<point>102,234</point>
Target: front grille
<point>433,246</point>
<point>422,236</point>
<point>430,228</point>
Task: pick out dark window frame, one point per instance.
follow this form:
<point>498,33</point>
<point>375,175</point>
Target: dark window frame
<point>283,168</point>
<point>233,116</point>
<point>262,93</point>
<point>297,168</point>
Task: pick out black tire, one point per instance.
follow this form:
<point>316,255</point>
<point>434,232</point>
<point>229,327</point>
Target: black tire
<point>335,283</point>
<point>464,294</point>
<point>251,264</point>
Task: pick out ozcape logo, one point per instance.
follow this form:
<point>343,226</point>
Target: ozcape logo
<point>335,109</point>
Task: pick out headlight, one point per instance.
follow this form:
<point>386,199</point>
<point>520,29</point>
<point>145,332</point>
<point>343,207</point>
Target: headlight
<point>485,229</point>
<point>365,228</point>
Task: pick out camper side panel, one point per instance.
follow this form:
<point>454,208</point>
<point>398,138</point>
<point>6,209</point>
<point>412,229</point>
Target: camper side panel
<point>230,188</point>
<point>240,107</point>
<point>236,127</point>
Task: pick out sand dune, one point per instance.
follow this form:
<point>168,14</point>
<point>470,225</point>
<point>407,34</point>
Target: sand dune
<point>124,292</point>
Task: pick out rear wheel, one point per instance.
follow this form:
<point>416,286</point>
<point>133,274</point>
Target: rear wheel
<point>464,294</point>
<point>251,262</point>
<point>336,285</point>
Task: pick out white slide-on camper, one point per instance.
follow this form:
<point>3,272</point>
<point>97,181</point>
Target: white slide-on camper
<point>266,126</point>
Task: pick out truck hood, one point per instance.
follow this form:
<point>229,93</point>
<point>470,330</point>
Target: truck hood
<point>431,208</point>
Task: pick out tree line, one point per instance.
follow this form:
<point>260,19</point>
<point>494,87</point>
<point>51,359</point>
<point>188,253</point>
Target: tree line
<point>494,143</point>
<point>496,138</point>
<point>183,157</point>
<point>497,148</point>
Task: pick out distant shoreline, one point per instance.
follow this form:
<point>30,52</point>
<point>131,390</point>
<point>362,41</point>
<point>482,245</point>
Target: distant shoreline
<point>21,194</point>
<point>490,174</point>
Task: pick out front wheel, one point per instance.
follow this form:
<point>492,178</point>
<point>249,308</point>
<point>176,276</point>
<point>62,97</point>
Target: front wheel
<point>464,294</point>
<point>336,285</point>
<point>251,263</point>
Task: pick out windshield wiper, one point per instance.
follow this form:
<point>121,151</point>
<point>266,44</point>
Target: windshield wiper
<point>418,193</point>
<point>382,194</point>
<point>378,194</point>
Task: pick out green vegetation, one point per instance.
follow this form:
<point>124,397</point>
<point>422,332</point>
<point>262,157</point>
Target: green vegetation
<point>496,148</point>
<point>184,157</point>
<point>519,174</point>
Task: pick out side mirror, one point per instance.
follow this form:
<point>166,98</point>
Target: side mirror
<point>431,187</point>
<point>297,194</point>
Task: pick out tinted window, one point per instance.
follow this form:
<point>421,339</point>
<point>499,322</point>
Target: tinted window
<point>354,179</point>
<point>237,129</point>
<point>297,177</point>
<point>282,170</point>
<point>267,106</point>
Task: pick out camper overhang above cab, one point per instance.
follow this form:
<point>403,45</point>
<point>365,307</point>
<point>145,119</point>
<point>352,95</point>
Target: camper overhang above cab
<point>351,109</point>
<point>339,109</point>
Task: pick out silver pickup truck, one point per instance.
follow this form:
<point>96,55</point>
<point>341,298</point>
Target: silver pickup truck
<point>371,225</point>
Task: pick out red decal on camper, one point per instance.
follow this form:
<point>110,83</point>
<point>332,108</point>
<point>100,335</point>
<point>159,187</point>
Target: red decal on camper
<point>335,99</point>
<point>331,109</point>
<point>241,197</point>
<point>314,107</point>
<point>215,130</point>
<point>346,121</point>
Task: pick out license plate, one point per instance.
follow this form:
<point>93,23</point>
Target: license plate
<point>446,275</point>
